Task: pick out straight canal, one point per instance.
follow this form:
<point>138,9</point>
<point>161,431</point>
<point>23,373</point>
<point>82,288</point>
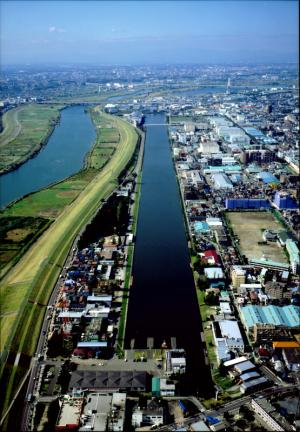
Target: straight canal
<point>163,301</point>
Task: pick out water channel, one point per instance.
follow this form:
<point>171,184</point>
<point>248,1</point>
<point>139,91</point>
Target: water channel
<point>163,301</point>
<point>62,156</point>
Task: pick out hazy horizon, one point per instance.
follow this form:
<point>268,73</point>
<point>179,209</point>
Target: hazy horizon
<point>138,33</point>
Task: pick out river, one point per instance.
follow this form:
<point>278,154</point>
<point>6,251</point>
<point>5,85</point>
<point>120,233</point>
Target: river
<point>62,156</point>
<point>163,301</point>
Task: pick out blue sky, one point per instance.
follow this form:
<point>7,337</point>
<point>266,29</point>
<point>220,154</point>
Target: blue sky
<point>136,32</point>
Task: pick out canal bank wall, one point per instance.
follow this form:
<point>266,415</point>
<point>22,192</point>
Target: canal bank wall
<point>134,210</point>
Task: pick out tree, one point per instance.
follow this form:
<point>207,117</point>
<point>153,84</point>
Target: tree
<point>211,299</point>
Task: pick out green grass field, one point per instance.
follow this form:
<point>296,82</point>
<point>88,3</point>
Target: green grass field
<point>16,235</point>
<point>50,202</point>
<point>25,129</point>
<point>33,278</point>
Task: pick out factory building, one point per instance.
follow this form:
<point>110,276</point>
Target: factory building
<point>267,177</point>
<point>227,337</point>
<point>209,147</point>
<point>222,181</point>
<point>233,135</point>
<point>267,323</point>
<point>283,200</point>
<point>245,203</point>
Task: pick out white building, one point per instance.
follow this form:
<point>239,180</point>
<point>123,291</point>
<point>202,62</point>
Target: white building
<point>258,409</point>
<point>175,362</point>
<point>167,387</point>
<point>221,181</point>
<point>233,135</point>
<point>152,415</point>
<point>210,147</point>
<point>227,337</point>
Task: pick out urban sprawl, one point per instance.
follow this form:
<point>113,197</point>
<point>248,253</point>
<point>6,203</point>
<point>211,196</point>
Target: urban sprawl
<point>236,157</point>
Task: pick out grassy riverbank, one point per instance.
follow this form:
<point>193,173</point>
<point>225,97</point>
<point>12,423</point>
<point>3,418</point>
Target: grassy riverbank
<point>33,278</point>
<point>25,129</point>
<point>48,203</point>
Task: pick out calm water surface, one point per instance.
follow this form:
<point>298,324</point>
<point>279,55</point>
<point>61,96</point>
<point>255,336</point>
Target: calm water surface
<point>62,156</point>
<point>163,301</point>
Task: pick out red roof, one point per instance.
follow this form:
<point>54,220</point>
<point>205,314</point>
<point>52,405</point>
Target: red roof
<point>212,254</point>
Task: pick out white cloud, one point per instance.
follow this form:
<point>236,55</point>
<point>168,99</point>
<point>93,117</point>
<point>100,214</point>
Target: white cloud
<point>53,29</point>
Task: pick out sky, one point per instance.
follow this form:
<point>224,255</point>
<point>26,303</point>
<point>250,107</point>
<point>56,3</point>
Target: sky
<point>140,32</point>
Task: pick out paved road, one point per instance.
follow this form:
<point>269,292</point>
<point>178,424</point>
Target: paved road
<point>229,406</point>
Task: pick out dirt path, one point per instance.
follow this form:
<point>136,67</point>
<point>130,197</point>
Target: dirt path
<point>11,126</point>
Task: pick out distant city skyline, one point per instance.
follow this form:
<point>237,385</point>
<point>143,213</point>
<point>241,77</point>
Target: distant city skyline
<point>153,32</point>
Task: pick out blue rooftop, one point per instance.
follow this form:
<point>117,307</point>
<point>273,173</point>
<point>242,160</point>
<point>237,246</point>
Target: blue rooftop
<point>267,177</point>
<point>288,316</point>
<point>201,227</point>
<point>254,132</point>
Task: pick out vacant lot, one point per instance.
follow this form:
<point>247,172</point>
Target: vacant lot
<point>26,128</point>
<point>248,226</point>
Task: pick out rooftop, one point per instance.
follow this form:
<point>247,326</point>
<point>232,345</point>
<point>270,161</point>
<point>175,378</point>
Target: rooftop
<point>70,411</point>
<point>287,316</point>
<point>230,329</point>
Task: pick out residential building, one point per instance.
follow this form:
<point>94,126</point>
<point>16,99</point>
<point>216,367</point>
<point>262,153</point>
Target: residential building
<point>238,276</point>
<point>291,357</point>
<point>261,409</point>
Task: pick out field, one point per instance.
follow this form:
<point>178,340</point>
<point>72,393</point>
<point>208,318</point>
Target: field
<point>16,234</point>
<point>248,226</point>
<point>50,202</point>
<point>28,285</point>
<point>25,129</point>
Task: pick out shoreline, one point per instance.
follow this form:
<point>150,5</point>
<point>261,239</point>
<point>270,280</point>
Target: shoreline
<point>37,148</point>
<point>54,183</point>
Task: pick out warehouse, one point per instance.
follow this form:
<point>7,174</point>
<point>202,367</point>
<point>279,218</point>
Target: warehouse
<point>221,181</point>
<point>284,316</point>
<point>246,366</point>
<point>249,375</point>
<point>267,178</point>
<point>227,337</point>
<point>245,203</point>
<point>256,384</point>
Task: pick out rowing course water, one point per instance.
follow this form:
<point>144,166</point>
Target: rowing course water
<point>62,156</point>
<point>162,302</point>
